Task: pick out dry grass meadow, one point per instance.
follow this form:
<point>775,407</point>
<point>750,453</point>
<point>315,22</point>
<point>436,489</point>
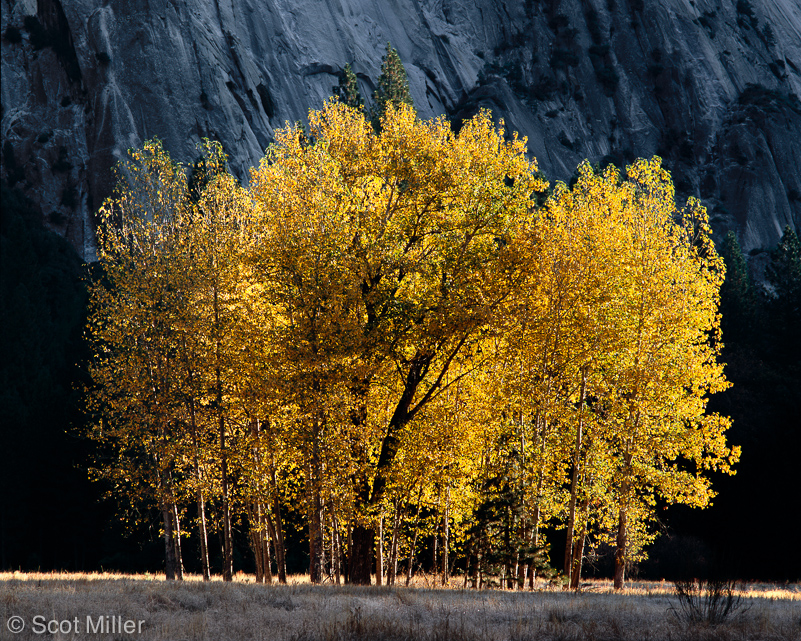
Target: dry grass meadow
<point>245,611</point>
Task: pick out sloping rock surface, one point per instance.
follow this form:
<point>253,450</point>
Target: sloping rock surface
<point>710,85</point>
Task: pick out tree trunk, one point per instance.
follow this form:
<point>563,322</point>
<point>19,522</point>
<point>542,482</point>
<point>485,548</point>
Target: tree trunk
<point>315,506</point>
<point>228,552</point>
<point>571,522</point>
<point>434,553</point>
<point>370,497</point>
<point>410,569</point>
<point>578,559</point>
<point>204,543</point>
<point>446,538</point>
<point>201,502</point>
<point>254,545</point>
<point>620,552</point>
<point>260,542</point>
<point>167,518</point>
<point>349,559</point>
<point>392,570</point>
<point>276,528</point>
<point>179,559</point>
<point>316,551</point>
<point>467,563</point>
<point>278,542</point>
<point>578,546</point>
<point>336,552</point>
<point>169,546</point>
<point>379,557</point>
<point>360,564</point>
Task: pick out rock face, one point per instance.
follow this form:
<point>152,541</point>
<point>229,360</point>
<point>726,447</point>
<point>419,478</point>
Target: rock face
<point>710,85</point>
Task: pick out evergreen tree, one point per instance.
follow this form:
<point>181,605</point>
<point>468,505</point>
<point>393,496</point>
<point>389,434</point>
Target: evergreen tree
<point>784,297</point>
<point>348,89</point>
<point>737,303</point>
<point>393,87</point>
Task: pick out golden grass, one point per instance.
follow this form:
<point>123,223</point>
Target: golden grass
<point>245,611</point>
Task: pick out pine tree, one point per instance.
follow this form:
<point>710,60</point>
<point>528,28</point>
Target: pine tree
<point>737,304</point>
<point>784,297</point>
<point>348,89</point>
<point>393,87</point>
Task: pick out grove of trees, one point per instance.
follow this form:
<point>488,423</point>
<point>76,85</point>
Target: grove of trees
<point>385,335</point>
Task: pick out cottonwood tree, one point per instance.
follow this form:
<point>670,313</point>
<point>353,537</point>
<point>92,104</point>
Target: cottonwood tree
<point>650,377</point>
<point>395,250</point>
<point>136,308</point>
<point>389,331</point>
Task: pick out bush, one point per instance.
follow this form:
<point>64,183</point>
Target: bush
<point>711,601</point>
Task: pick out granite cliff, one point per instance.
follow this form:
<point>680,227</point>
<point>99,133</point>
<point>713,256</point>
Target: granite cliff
<point>711,85</point>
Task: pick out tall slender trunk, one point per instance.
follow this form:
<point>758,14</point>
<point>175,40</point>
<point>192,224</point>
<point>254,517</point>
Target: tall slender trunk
<point>467,563</point>
<point>315,506</point>
<point>506,581</point>
<point>521,565</point>
<point>336,552</point>
<point>255,544</point>
<point>314,516</point>
<point>534,542</point>
<point>435,551</point>
<point>179,559</point>
<point>578,547</point>
<point>361,538</point>
<point>201,502</point>
<point>392,570</point>
<point>277,528</point>
<point>542,427</point>
<point>169,547</point>
<point>349,543</point>
<point>360,563</point>
<point>574,483</point>
<point>260,542</point>
<point>169,534</point>
<point>446,537</point>
<point>379,557</point>
<point>410,569</point>
<point>370,495</point>
<point>620,552</point>
<point>228,552</point>
<point>277,543</point>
